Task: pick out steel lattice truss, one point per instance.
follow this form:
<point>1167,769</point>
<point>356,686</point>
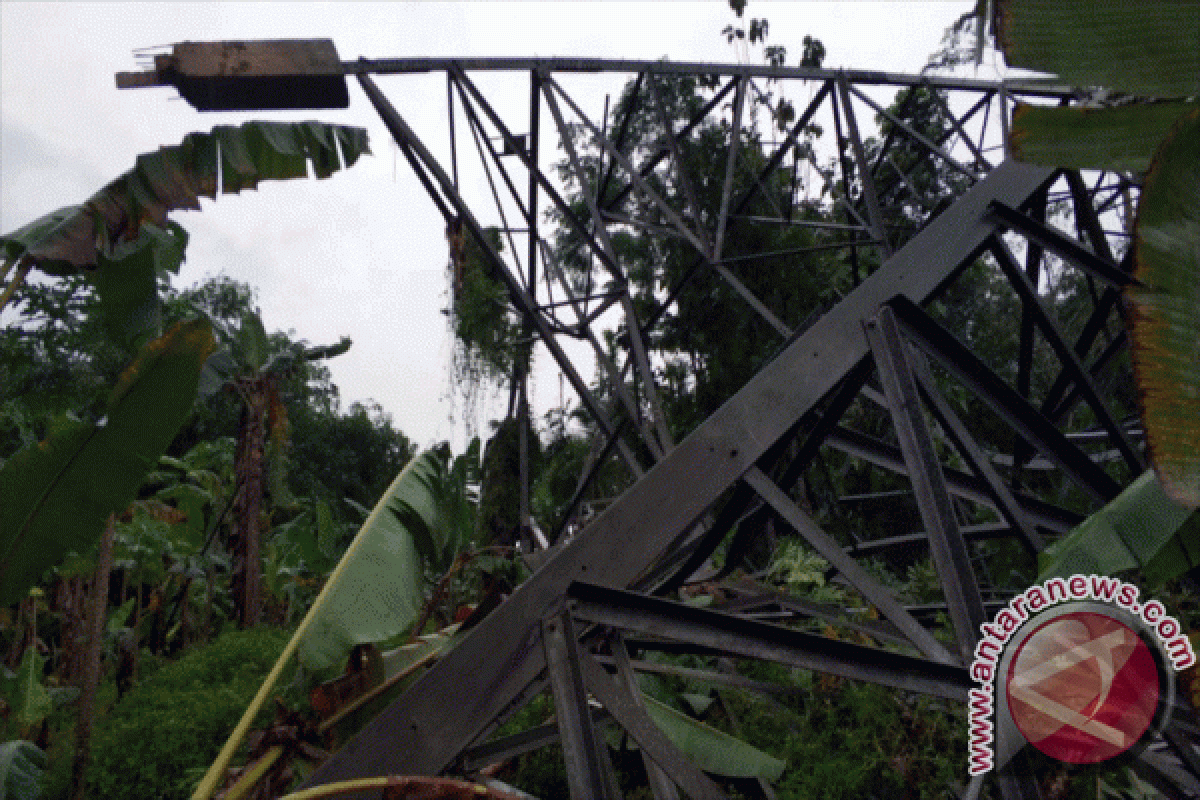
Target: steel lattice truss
<point>575,628</point>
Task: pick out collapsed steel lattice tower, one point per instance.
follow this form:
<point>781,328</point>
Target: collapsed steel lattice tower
<point>570,628</point>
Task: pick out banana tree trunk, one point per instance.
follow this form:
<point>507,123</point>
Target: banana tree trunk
<point>247,575</point>
<point>97,608</point>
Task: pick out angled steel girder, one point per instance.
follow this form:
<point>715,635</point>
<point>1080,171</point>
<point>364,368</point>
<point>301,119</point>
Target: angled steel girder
<point>424,730</point>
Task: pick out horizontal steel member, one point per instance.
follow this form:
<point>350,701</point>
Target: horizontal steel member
<point>753,639</point>
<point>385,66</point>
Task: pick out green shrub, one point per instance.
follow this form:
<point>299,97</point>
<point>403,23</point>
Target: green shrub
<point>176,720</point>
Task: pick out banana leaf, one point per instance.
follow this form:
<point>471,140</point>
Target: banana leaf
<point>30,702</point>
<point>712,750</point>
<point>374,593</point>
<point>56,495</point>
<point>1166,310</point>
<point>377,590</point>
<point>22,765</point>
<point>1123,138</point>
<point>1141,528</point>
<point>1146,49</point>
<point>67,240</point>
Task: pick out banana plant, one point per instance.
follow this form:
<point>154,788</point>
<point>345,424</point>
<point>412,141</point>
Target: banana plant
<point>121,237</point>
<point>55,495</point>
<point>375,593</point>
<point>1140,63</point>
<point>248,368</point>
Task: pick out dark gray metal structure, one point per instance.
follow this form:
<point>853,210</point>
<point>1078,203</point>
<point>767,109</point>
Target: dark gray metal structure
<point>602,596</point>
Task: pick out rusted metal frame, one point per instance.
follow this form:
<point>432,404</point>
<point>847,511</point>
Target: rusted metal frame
<point>772,163</point>
<point>634,176</point>
<point>960,484</point>
<point>505,748</point>
<point>583,322</point>
<point>472,123</point>
<point>1102,361</point>
<point>382,66</point>
<point>766,194</point>
<point>583,327</point>
<point>641,362</point>
<point>844,200</point>
<point>912,190</point>
<point>1066,355</point>
<point>790,252</point>
<point>976,459</point>
<point>868,188</point>
<point>1061,246</point>
<point>534,154</point>
<point>589,770</point>
<point>637,344</point>
<point>1091,329</point>
<point>886,147</point>
<point>660,784</point>
<point>951,558</point>
<point>875,593</point>
<point>655,159</point>
<point>834,615</point>
<point>703,675</point>
<point>983,531</point>
<point>685,180</point>
<point>450,117</point>
<point>408,140</point>
<point>622,132</point>
<point>941,345</point>
<point>510,141</point>
<point>670,213</point>
<point>1033,262</point>
<point>809,448</point>
<point>435,719</point>
<point>959,128</point>
<point>738,636</point>
<point>917,136</point>
<point>631,715</point>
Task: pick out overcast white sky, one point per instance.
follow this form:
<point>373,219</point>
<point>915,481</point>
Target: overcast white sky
<point>363,253</point>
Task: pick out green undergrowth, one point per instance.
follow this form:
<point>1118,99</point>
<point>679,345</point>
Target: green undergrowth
<point>152,742</point>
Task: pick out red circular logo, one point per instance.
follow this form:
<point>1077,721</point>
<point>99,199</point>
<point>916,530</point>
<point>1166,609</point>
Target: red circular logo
<point>1083,687</point>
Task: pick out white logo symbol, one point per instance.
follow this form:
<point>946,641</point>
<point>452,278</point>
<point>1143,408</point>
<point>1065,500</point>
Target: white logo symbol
<point>1069,640</point>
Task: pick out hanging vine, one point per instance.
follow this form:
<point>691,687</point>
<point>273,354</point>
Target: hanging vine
<point>488,344</point>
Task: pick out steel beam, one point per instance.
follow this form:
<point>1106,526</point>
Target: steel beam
<point>628,710</point>
<point>589,771</point>
<point>951,558</point>
<point>1006,402</point>
<point>752,639</point>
